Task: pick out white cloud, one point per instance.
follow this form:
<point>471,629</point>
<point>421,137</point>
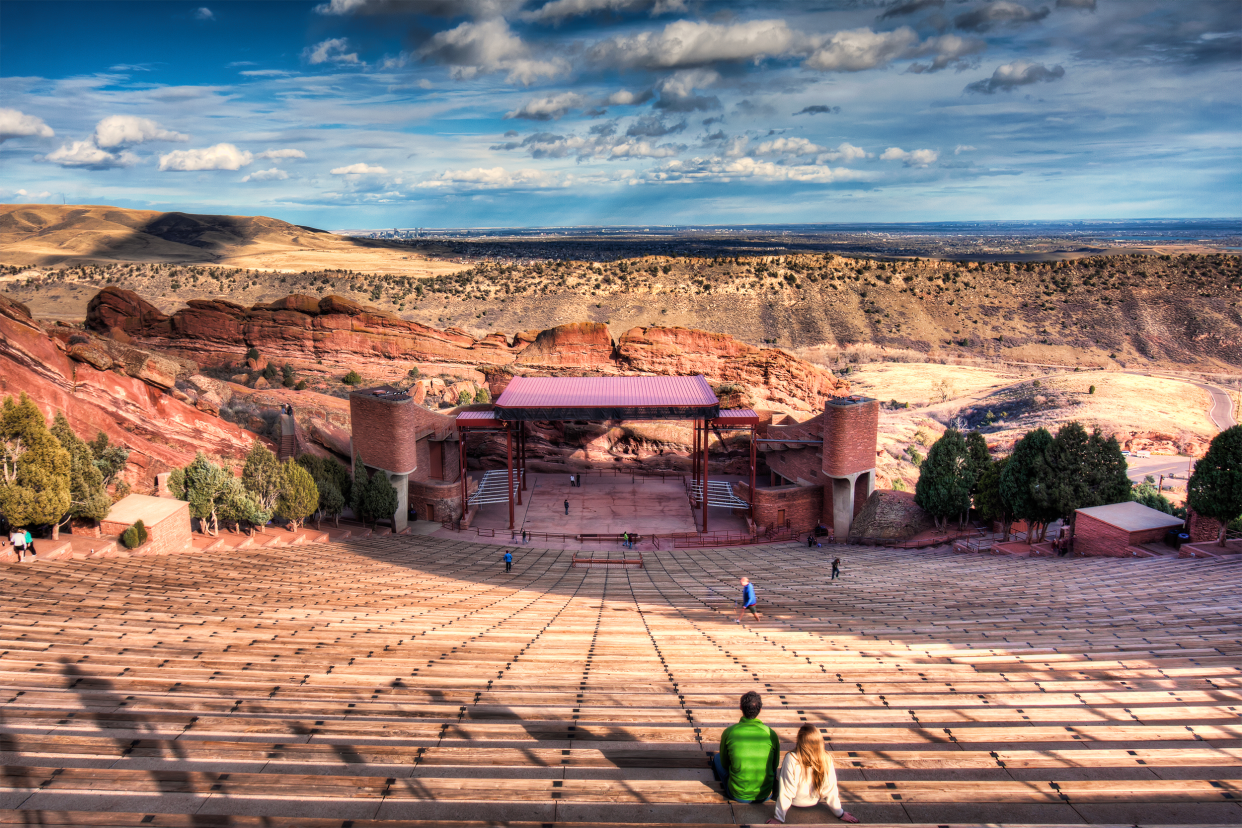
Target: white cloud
<point>558,10</point>
<point>218,157</point>
<point>430,8</point>
<point>856,50</point>
<point>118,130</point>
<point>87,154</point>
<point>471,49</point>
<point>627,98</point>
<point>605,146</point>
<point>16,124</point>
<point>913,158</point>
<point>788,146</point>
<point>274,174</point>
<point>264,73</point>
<point>549,108</point>
<point>281,154</point>
<point>721,169</point>
<point>844,152</point>
<point>1009,76</point>
<point>204,13</point>
<point>495,178</point>
<point>687,43</point>
<point>960,148</point>
<point>360,169</point>
<point>331,51</point>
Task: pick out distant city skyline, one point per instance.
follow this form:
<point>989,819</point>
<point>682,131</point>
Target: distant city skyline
<point>518,113</point>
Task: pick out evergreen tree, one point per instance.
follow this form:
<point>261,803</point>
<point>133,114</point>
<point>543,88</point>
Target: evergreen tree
<point>380,499</point>
<point>87,498</point>
<point>1147,494</point>
<point>358,488</point>
<point>1026,483</point>
<point>262,475</point>
<point>110,458</point>
<point>34,467</point>
<point>1215,487</point>
<point>238,506</point>
<point>299,496</point>
<point>980,458</point>
<point>988,501</point>
<point>213,493</point>
<point>331,501</point>
<point>1087,470</point>
<point>945,479</point>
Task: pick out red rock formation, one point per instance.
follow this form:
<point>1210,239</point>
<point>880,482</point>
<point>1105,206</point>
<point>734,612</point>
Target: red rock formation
<point>161,431</point>
<point>576,345</point>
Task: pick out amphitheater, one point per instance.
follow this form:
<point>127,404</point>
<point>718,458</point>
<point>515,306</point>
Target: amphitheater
<point>411,680</point>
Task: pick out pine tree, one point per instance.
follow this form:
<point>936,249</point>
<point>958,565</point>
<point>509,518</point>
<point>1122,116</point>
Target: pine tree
<point>945,479</point>
<point>988,501</point>
<point>380,499</point>
<point>358,487</point>
<point>331,501</point>
<point>34,467</point>
<point>88,500</point>
<point>1215,487</point>
<point>207,488</point>
<point>262,475</point>
<point>299,496</point>
<point>1087,470</point>
<point>1026,483</point>
<point>980,458</point>
<point>110,458</point>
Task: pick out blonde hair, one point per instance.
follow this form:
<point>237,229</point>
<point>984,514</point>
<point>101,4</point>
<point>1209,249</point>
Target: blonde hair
<point>811,755</point>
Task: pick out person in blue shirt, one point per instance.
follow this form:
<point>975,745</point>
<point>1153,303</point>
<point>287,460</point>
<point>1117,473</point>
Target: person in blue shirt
<point>508,560</point>
<point>748,600</point>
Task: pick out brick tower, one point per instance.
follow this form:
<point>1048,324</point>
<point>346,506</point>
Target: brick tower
<point>851,426</point>
<point>385,423</point>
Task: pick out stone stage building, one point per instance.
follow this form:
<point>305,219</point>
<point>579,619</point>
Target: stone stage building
<point>820,471</point>
<point>414,447</point>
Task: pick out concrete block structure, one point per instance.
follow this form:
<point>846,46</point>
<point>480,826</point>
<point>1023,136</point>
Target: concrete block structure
<point>167,522</point>
<point>415,448</point>
<point>851,426</point>
<point>1112,530</point>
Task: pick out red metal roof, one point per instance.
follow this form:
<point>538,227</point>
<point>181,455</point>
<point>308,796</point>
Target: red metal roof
<point>478,419</point>
<point>606,392</point>
<point>734,417</point>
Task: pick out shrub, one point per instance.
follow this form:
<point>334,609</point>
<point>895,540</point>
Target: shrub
<point>269,373</point>
<point>1091,389</point>
<point>299,496</point>
<point>301,386</point>
<point>253,353</point>
<point>482,396</point>
<point>287,376</point>
<point>352,378</point>
<point>379,501</point>
<point>464,398</point>
<point>129,538</point>
<point>141,529</point>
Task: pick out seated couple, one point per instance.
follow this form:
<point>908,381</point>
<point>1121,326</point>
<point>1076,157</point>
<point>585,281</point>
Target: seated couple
<point>747,766</point>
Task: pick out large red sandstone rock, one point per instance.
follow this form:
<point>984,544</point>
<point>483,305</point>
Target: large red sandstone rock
<point>161,431</point>
<point>575,345</point>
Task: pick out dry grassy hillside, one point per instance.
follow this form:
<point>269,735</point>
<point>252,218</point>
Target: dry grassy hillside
<point>54,235</point>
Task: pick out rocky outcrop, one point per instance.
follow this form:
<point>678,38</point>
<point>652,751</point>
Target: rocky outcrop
<point>129,401</point>
<point>333,333</point>
<point>891,514</point>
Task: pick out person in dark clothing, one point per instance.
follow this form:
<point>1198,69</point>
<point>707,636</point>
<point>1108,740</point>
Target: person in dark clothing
<point>749,754</point>
<point>508,560</point>
<point>523,537</point>
<point>567,506</point>
<point>749,600</point>
<point>810,541</point>
<point>836,568</point>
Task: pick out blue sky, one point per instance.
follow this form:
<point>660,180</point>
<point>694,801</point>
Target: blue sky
<point>478,113</point>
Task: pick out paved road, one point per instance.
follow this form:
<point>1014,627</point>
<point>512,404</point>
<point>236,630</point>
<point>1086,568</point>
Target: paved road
<point>1139,467</point>
<point>1221,412</point>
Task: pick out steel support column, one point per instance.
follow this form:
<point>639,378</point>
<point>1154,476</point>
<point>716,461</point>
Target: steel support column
<point>706,439</point>
<point>509,469</point>
<point>461,470</point>
<point>754,462</point>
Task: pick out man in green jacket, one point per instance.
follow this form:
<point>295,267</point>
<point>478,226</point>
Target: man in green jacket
<point>749,752</point>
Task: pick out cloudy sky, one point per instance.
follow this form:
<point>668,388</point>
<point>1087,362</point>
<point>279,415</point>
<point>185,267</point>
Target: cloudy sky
<point>473,113</point>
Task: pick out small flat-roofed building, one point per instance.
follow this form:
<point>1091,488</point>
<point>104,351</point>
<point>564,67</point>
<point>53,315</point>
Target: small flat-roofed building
<point>167,522</point>
<point>1111,530</point>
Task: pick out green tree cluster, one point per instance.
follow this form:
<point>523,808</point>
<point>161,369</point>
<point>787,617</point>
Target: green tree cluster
<point>332,479</point>
<point>1215,486</point>
<point>88,499</point>
<point>299,496</point>
<point>35,470</point>
<point>215,496</point>
<point>373,497</point>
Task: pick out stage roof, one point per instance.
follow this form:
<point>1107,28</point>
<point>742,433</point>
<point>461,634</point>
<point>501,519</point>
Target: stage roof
<point>607,398</point>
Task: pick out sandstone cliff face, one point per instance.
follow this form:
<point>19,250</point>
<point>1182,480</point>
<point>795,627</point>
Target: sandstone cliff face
<point>343,334</point>
<point>129,400</point>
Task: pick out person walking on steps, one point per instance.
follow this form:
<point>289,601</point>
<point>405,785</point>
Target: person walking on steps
<point>810,541</point>
<point>808,778</point>
<point>508,561</point>
<point>567,506</point>
<point>836,568</point>
<point>18,539</point>
<point>30,545</point>
<point>523,537</point>
<point>749,750</point>
<point>748,600</point>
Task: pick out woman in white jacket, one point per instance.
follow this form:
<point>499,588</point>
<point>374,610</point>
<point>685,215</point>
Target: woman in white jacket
<point>808,778</point>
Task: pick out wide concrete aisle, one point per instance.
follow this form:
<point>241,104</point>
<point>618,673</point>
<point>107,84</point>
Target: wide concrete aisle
<point>410,680</point>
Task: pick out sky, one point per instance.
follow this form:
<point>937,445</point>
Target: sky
<point>519,113</point>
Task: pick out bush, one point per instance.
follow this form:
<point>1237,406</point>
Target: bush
<point>482,396</point>
<point>269,373</point>
<point>352,378</point>
<point>464,398</point>
<point>253,353</point>
<point>1091,389</point>
<point>301,386</point>
<point>129,539</point>
<point>143,534</point>
<point>287,377</point>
